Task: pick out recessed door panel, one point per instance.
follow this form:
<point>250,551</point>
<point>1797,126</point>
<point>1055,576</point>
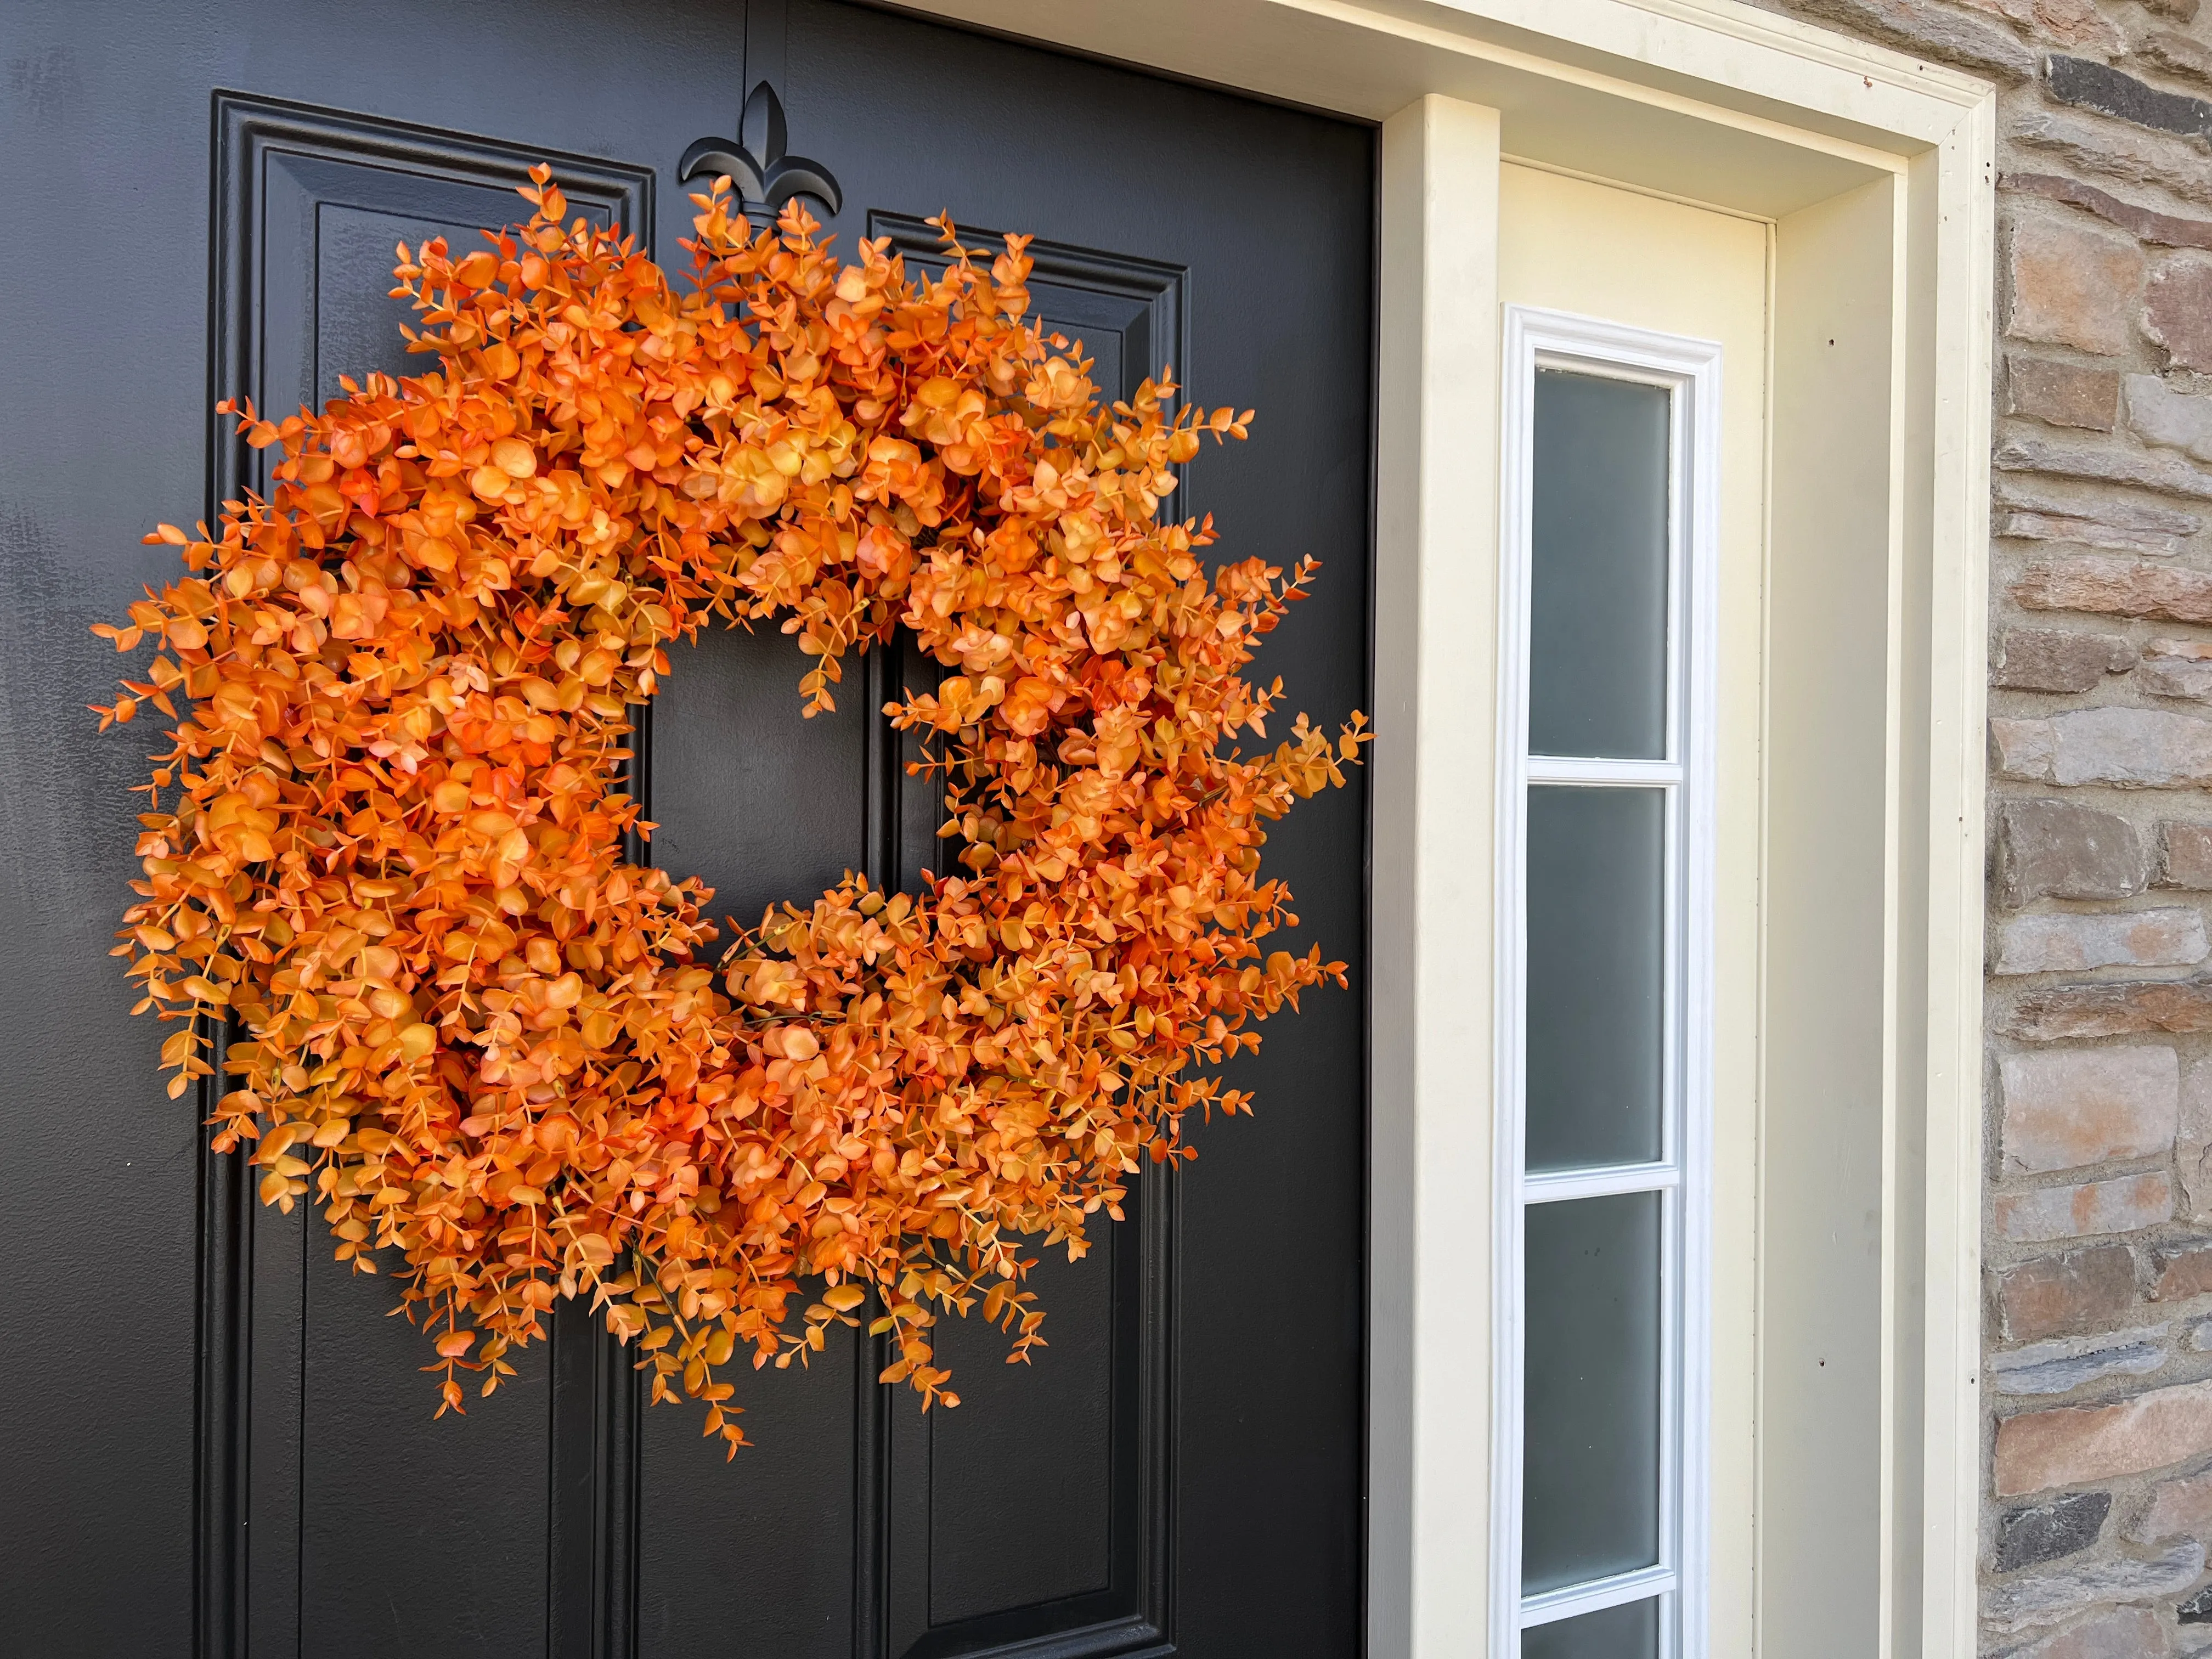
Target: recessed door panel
<point>1039,1507</point>
<point>354,1487</point>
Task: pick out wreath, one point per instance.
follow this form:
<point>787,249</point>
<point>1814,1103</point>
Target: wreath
<point>396,864</point>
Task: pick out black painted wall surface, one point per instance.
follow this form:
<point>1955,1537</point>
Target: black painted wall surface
<point>212,1440</point>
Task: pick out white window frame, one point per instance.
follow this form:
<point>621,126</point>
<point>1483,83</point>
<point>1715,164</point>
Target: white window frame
<point>1689,369</point>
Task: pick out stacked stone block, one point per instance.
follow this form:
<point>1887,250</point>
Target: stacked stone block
<point>2097,1246</point>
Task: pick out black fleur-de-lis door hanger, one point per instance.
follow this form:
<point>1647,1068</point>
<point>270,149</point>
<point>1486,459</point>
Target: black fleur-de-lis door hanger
<point>764,175</point>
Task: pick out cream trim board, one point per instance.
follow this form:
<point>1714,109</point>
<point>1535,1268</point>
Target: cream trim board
<point>1834,1250</point>
<point>1718,47</point>
<point>1537,339</point>
<point>1953,303</point>
<point>1533,165</point>
<point>1709,99</point>
<point>1432,774</point>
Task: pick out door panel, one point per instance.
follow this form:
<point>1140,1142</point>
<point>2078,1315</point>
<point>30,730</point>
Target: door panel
<point>1179,1469</point>
<point>355,1488</point>
<point>1040,1507</point>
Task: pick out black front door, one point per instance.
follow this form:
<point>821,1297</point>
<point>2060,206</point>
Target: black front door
<point>212,1439</point>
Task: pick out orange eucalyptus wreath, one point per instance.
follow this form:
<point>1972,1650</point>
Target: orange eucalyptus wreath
<point>395,858</point>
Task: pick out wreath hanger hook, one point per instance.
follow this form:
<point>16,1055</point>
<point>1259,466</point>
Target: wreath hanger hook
<point>765,176</point>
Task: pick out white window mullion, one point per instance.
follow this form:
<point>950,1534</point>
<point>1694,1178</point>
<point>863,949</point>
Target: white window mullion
<point>1571,1603</point>
<point>1565,769</point>
<point>1552,1186</point>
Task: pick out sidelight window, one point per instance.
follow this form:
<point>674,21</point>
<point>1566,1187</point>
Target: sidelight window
<point>1603,1103</point>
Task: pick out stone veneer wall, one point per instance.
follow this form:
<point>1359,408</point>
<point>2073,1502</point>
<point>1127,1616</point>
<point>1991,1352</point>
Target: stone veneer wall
<point>2097,1506</point>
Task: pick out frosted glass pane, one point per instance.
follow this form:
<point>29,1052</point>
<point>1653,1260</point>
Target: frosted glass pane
<point>1590,1400</point>
<point>1597,628</point>
<point>1597,944</point>
<point>1629,1631</point>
